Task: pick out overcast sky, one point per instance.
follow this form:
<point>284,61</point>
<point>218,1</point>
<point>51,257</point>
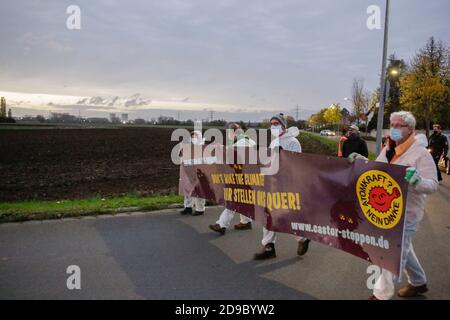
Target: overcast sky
<point>241,59</point>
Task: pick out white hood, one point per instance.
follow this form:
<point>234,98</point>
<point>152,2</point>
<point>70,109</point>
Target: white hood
<point>422,139</point>
<point>288,141</point>
<point>291,132</point>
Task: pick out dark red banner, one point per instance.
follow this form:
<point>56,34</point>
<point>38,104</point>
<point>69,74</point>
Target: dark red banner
<point>358,208</point>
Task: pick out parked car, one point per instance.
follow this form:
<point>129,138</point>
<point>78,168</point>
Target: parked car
<point>444,162</point>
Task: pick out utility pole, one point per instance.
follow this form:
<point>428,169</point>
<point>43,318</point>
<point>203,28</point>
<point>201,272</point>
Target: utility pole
<point>211,115</point>
<point>383,80</point>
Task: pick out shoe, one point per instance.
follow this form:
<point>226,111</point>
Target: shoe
<point>303,247</point>
<point>411,291</point>
<point>217,228</point>
<point>186,211</point>
<point>198,213</point>
<point>372,297</point>
<point>243,226</point>
<point>267,253</point>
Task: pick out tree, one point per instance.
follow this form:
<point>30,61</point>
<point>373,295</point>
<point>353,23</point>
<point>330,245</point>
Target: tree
<point>395,70</point>
<point>392,100</point>
<point>291,121</point>
<point>265,124</point>
<point>425,88</point>
<point>332,114</point>
<point>360,99</point>
<point>318,118</point>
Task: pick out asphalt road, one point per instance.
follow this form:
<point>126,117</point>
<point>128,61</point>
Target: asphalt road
<point>163,255</point>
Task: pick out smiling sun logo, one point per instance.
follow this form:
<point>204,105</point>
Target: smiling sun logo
<point>380,198</point>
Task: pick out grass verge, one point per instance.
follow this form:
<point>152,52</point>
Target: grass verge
<point>40,210</point>
<point>313,143</point>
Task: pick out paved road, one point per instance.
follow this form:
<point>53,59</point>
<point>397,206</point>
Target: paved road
<point>163,255</point>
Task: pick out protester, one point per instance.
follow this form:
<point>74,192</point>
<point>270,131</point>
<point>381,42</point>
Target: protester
<point>404,149</point>
<point>238,139</point>
<point>285,139</point>
<point>341,141</point>
<point>189,202</point>
<point>354,143</point>
<point>438,145</point>
<point>422,140</point>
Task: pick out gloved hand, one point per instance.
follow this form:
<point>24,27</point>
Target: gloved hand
<point>355,156</point>
<point>412,176</point>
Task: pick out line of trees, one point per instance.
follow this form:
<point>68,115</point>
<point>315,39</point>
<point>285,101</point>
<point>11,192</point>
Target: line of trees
<point>422,87</point>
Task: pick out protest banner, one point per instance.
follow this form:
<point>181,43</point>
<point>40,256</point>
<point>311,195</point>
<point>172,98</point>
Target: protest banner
<point>358,208</point>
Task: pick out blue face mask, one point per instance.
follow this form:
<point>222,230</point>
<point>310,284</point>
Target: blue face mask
<point>396,134</point>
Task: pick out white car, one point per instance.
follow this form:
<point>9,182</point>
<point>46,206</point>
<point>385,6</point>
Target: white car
<point>327,133</point>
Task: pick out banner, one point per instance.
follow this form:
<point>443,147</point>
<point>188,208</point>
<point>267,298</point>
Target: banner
<point>358,208</point>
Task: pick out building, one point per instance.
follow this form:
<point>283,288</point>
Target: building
<point>97,120</point>
<point>113,118</point>
<point>9,113</point>
<point>124,117</point>
<point>63,118</point>
<point>345,117</point>
<point>2,107</point>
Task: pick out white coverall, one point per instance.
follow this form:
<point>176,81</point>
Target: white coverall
<point>189,202</point>
<point>416,156</point>
<point>288,142</point>
<point>227,215</point>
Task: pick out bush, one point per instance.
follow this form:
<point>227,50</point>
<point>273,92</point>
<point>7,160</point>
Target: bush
<point>312,143</point>
<point>7,120</point>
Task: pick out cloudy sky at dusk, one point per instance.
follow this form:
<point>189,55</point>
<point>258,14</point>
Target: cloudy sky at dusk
<point>241,59</point>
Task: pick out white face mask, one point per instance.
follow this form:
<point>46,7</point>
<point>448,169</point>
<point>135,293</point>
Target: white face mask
<point>194,140</point>
<point>276,130</point>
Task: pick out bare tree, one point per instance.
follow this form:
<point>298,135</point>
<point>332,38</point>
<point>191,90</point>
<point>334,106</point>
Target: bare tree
<point>360,99</point>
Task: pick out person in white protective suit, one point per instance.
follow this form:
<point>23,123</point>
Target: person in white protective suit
<point>422,140</point>
<point>285,139</point>
<point>403,148</point>
<point>239,139</point>
<point>189,202</point>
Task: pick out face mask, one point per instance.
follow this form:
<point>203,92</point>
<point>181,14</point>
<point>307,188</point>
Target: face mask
<point>194,140</point>
<point>435,132</point>
<point>396,134</point>
<point>276,130</point>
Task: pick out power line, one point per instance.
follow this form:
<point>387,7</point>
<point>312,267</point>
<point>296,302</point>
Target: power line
<point>297,112</point>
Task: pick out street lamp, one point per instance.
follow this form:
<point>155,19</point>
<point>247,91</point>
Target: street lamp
<point>394,72</point>
<point>383,80</point>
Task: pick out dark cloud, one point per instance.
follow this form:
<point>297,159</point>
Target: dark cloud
<point>259,53</point>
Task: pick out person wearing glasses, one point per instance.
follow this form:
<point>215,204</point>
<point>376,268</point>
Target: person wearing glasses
<point>405,149</point>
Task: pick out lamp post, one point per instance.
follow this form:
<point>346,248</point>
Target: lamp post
<point>383,80</point>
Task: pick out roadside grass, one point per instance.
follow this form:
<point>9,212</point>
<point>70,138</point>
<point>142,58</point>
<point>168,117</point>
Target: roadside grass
<point>40,210</point>
<point>313,143</point>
